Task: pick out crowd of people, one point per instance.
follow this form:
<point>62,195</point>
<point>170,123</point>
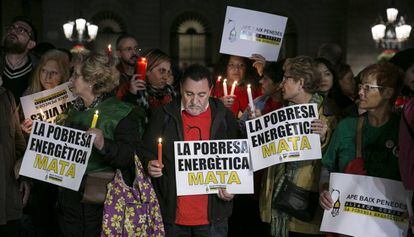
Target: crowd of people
<point>365,125</point>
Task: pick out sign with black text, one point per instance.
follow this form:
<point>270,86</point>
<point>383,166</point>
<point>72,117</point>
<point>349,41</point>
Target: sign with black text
<point>283,135</point>
<point>367,206</point>
<point>47,104</point>
<point>203,167</point>
<point>57,154</point>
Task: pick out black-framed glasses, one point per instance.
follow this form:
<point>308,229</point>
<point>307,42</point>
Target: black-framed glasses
<point>18,29</point>
<point>368,87</point>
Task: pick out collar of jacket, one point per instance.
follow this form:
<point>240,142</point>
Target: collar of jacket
<point>218,112</point>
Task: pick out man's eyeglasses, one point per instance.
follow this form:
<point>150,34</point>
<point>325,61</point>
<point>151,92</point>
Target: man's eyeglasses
<point>287,77</point>
<point>131,49</point>
<point>18,29</point>
<point>368,87</point>
<point>236,66</point>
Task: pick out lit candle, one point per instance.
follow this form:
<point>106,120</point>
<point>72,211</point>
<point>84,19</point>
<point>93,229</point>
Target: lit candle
<point>249,95</point>
<point>95,119</point>
<point>225,87</point>
<point>233,87</point>
<point>218,79</point>
<point>160,151</point>
<point>109,51</point>
<point>141,68</point>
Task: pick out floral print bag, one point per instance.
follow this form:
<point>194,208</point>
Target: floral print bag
<point>132,211</point>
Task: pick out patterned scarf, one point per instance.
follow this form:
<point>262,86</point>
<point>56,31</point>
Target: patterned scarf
<point>153,95</point>
<point>280,220</point>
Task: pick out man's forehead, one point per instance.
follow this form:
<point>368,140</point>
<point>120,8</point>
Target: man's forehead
<point>128,42</point>
<point>22,24</point>
<point>191,85</point>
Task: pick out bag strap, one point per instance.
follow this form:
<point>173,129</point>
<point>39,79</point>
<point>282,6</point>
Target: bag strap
<point>358,137</point>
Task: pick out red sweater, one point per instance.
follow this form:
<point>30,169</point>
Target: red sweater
<point>193,209</point>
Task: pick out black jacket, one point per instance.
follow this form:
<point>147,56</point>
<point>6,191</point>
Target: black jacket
<point>166,122</point>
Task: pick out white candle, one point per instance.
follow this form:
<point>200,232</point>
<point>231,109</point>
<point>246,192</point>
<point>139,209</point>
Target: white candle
<point>249,95</point>
<point>225,87</point>
<point>233,87</point>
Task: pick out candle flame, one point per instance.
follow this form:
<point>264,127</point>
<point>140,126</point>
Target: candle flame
<point>143,59</point>
<point>248,85</point>
<point>160,140</point>
<point>225,80</point>
<point>219,78</point>
<point>96,112</point>
<point>235,83</point>
<point>109,47</point>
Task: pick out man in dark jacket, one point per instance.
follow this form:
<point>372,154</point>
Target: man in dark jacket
<point>195,116</point>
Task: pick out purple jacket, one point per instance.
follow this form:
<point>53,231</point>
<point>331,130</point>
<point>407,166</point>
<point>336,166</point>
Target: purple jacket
<point>406,142</point>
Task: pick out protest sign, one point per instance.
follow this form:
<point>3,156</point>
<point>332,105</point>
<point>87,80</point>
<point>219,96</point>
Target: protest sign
<point>248,32</point>
<point>283,135</point>
<point>47,104</point>
<point>203,167</point>
<point>57,154</point>
<point>367,206</point>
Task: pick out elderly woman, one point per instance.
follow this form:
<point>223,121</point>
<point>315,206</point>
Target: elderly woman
<point>238,69</point>
<point>116,138</point>
<point>300,83</point>
<point>378,128</point>
<point>158,88</point>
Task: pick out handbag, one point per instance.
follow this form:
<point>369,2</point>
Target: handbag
<point>95,187</point>
<point>132,211</point>
<point>296,201</point>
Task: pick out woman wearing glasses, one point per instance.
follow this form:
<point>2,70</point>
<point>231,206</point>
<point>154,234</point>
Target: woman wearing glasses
<point>158,88</point>
<point>244,71</point>
<point>378,127</point>
<point>300,83</point>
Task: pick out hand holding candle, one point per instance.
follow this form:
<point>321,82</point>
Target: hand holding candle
<point>95,119</point>
<point>249,95</point>
<point>160,151</point>
<point>141,68</point>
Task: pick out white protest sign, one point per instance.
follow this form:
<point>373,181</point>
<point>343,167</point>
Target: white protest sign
<point>203,167</point>
<point>367,206</point>
<point>248,32</point>
<point>47,104</point>
<point>57,154</point>
<point>283,135</point>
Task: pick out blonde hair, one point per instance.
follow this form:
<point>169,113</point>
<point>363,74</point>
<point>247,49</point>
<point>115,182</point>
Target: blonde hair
<point>155,57</point>
<point>304,67</point>
<point>61,59</point>
<point>98,71</point>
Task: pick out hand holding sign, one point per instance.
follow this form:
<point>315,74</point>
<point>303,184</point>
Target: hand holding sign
<point>259,63</point>
<point>27,126</point>
<point>224,195</point>
<point>320,127</point>
<point>99,140</point>
<point>325,200</point>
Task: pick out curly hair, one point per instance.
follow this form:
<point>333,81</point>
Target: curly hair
<point>304,67</point>
<point>61,59</point>
<point>98,71</point>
